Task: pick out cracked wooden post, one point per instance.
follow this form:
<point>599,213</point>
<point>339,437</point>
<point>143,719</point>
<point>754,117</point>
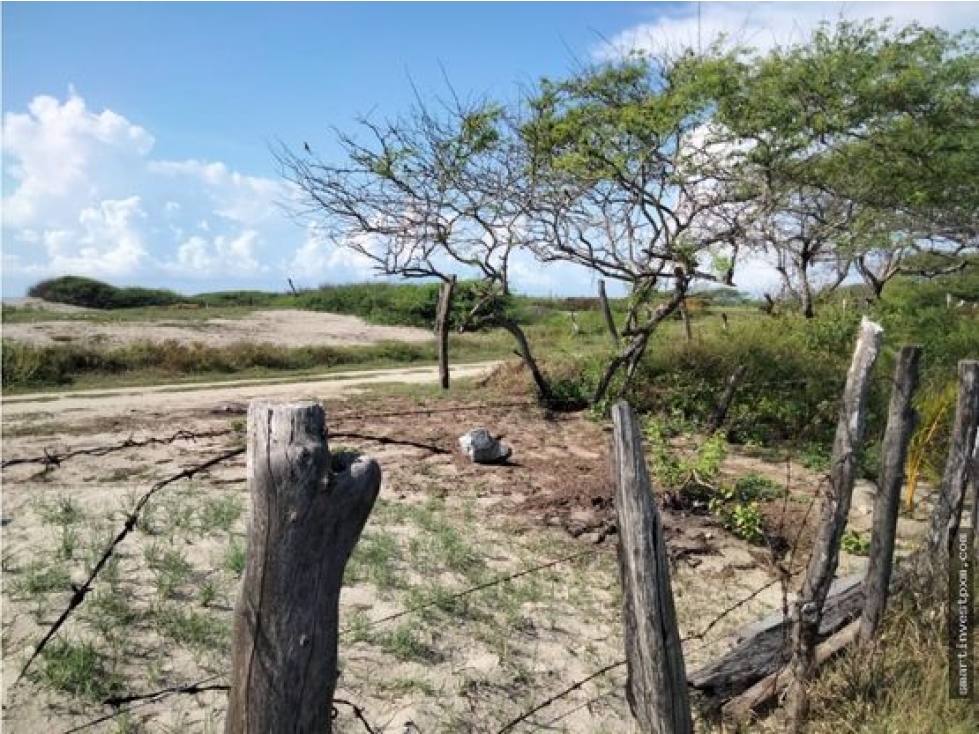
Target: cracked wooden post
<point>901,419</point>
<point>442,317</point>
<point>308,511</point>
<point>947,514</point>
<point>657,684</point>
<point>808,609</point>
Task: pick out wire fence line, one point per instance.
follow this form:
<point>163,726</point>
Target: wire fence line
<point>49,458</point>
<point>53,458</point>
<point>80,592</point>
<point>126,703</point>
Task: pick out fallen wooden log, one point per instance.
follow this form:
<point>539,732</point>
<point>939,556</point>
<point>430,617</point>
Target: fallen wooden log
<point>765,646</point>
<point>772,686</point>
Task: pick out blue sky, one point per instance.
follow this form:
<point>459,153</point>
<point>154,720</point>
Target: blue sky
<point>135,135</point>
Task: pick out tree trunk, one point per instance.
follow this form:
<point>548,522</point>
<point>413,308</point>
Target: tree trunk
<point>446,290</point>
<point>724,404</point>
<point>607,312</point>
<point>523,349</point>
<point>685,315</point>
<point>306,518</point>
<point>948,510</point>
<point>808,309</point>
<point>657,683</point>
<point>847,446</point>
<point>634,350</point>
<point>901,420</point>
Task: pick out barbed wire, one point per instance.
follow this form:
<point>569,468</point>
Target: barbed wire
<point>80,592</point>
<point>55,459</point>
<point>473,589</point>
<point>558,696</point>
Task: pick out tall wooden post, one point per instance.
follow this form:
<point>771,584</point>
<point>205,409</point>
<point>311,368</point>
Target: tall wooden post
<point>657,685</point>
<point>901,420</point>
<point>442,328</point>
<point>808,609</point>
<point>607,313</point>
<point>947,514</point>
<point>306,518</point>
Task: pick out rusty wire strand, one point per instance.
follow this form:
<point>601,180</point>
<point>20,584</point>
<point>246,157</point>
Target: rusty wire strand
<point>55,459</point>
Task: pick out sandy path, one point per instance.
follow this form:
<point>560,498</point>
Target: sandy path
<point>93,404</point>
<point>284,327</point>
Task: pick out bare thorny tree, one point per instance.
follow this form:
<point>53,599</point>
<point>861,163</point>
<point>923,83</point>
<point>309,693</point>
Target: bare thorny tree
<point>429,195</point>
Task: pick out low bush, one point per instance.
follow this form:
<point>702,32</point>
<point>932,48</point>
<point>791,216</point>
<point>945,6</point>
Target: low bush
<point>796,370</point>
<point>29,366</point>
<point>79,291</point>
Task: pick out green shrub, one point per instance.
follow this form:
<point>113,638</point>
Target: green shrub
<point>30,366</point>
<point>791,391</point>
<point>90,293</point>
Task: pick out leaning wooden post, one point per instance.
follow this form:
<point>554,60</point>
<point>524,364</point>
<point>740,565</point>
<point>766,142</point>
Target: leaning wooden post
<point>306,518</point>
<point>607,313</point>
<point>901,419</point>
<point>442,328</point>
<point>947,514</point>
<point>808,609</point>
<point>657,684</point>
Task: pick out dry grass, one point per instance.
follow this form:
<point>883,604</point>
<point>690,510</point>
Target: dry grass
<point>899,684</point>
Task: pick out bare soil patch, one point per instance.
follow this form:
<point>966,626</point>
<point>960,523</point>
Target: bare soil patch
<point>442,525</point>
<point>286,328</point>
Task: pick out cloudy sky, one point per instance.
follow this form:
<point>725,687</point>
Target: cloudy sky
<point>136,136</point>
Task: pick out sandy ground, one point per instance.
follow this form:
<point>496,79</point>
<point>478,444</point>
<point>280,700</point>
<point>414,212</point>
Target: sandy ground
<point>441,525</point>
<point>288,328</point>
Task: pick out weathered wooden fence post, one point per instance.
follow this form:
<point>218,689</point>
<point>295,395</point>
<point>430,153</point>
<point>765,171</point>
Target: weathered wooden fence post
<point>306,518</point>
<point>442,313</point>
<point>947,514</point>
<point>657,685</point>
<point>900,425</point>
<point>607,313</point>
<point>808,608</point>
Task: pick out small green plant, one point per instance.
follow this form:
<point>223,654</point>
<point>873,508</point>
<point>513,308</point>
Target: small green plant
<point>757,487</point>
<point>203,632</point>
<point>78,669</point>
<point>61,511</point>
<point>68,543</point>
<point>855,543</point>
<point>677,472</point>
<point>41,579</point>
<point>219,513</point>
<point>739,515</point>
<point>406,644</point>
<point>208,593</point>
<point>815,458</point>
<point>745,521</point>
<point>235,557</point>
<point>374,559</point>
<point>171,570</point>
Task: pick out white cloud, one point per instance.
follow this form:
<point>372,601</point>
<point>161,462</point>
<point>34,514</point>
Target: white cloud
<point>84,196</point>
<point>247,200</point>
<point>221,255</point>
<point>318,260</point>
<point>63,157</point>
<point>763,25</point>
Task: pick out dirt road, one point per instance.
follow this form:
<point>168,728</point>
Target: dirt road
<point>86,405</point>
